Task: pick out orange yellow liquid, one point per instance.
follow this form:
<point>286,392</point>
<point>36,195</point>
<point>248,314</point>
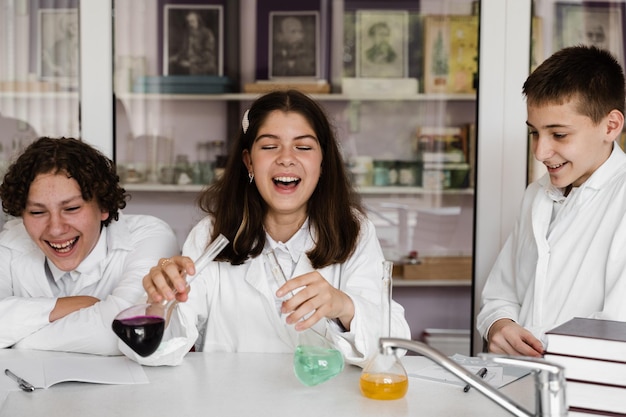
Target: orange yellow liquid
<point>384,386</point>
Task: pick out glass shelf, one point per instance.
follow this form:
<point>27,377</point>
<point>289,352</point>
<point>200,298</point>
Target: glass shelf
<point>35,95</point>
<point>399,282</point>
<point>194,188</point>
<point>411,190</point>
<point>321,97</point>
<point>172,188</point>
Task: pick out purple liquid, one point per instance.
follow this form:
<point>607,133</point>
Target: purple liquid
<point>142,334</point>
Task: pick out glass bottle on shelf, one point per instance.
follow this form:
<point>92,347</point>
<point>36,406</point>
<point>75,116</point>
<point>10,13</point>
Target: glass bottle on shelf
<point>384,377</point>
<point>219,158</point>
<point>204,163</point>
<point>182,170</point>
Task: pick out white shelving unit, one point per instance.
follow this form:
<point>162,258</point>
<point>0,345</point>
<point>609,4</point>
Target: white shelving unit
<point>503,62</point>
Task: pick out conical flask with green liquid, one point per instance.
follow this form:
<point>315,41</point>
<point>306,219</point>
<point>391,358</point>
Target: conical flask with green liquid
<point>315,360</point>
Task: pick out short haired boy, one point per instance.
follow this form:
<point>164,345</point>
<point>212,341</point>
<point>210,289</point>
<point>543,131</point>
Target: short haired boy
<point>566,256</point>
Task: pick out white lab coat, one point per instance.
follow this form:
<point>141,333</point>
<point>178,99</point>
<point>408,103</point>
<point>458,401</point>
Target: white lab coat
<point>235,310</point>
<point>134,244</point>
<point>546,275</point>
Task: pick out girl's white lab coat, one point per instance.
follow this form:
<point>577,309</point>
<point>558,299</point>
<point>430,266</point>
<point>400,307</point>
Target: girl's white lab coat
<point>234,309</point>
<point>576,267</point>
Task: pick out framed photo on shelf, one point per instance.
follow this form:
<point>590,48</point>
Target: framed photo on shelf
<point>294,45</point>
<point>193,41</point>
<point>382,43</point>
<point>310,20</point>
<point>415,39</point>
<point>58,46</point>
<point>450,54</point>
<point>591,23</point>
<point>349,44</point>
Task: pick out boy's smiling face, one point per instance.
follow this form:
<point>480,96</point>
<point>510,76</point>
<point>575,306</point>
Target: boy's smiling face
<point>64,226</point>
<point>568,143</point>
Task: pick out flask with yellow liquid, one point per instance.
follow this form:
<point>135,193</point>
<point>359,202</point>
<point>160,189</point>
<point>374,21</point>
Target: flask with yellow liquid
<point>384,377</point>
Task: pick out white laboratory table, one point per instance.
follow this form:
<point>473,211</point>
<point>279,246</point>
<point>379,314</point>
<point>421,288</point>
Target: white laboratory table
<point>246,384</point>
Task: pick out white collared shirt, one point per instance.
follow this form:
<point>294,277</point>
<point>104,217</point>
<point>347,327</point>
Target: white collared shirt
<point>288,255</point>
<point>64,283</point>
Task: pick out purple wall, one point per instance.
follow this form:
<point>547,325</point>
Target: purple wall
<point>442,307</point>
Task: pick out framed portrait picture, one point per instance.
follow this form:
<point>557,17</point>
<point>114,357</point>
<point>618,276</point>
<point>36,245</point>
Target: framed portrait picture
<point>590,23</point>
<point>294,45</point>
<point>58,46</point>
<point>193,39</point>
<point>382,43</point>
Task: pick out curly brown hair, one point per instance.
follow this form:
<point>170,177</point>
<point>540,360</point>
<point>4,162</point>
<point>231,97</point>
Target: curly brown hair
<point>93,171</point>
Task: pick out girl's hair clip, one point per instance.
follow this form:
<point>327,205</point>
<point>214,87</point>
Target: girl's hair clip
<point>245,123</point>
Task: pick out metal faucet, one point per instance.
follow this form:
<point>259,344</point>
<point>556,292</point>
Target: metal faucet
<point>549,378</point>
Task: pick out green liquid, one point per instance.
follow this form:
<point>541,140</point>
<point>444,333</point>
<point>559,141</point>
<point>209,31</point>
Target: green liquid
<point>314,365</point>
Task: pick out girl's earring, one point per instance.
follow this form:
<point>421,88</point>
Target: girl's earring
<point>250,176</point>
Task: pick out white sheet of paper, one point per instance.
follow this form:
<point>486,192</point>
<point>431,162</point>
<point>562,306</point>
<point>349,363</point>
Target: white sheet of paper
<point>497,375</point>
<point>80,368</point>
<point>438,374</point>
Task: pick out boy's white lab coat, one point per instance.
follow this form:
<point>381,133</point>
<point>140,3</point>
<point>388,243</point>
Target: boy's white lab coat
<point>133,244</point>
<point>546,275</point>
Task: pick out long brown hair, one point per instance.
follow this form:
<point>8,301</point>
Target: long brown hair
<point>238,209</point>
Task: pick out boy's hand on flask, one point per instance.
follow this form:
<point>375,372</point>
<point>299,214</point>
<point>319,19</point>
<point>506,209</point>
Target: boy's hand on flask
<point>509,338</point>
<point>315,299</point>
<point>168,280</point>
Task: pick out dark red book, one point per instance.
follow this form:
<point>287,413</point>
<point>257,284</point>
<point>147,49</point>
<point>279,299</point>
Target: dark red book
<point>589,338</point>
<point>584,412</point>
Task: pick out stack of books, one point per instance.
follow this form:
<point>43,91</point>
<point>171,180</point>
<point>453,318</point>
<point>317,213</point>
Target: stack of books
<point>593,353</point>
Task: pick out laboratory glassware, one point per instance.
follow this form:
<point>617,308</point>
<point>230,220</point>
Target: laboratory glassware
<point>384,377</point>
<point>142,326</point>
<point>315,360</point>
